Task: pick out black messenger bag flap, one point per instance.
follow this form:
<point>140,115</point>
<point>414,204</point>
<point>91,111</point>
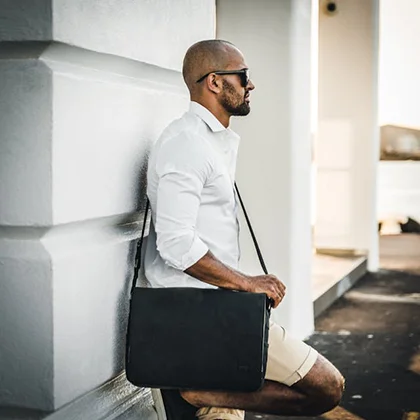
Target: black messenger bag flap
<point>201,339</point>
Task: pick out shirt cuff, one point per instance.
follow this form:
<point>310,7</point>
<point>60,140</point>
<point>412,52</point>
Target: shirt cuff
<point>197,251</point>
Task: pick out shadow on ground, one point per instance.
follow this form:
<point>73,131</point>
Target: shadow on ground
<point>372,334</point>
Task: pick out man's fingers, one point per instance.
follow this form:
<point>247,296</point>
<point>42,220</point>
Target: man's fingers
<point>274,301</point>
<point>276,298</point>
<point>273,288</point>
<point>281,291</point>
<point>280,287</point>
<point>277,301</point>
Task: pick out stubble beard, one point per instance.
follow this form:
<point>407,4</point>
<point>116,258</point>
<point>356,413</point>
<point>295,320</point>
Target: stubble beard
<point>233,102</point>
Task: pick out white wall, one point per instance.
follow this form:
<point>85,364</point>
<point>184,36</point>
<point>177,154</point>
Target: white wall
<point>160,30</point>
<point>26,292</point>
<point>399,63</point>
<point>347,144</point>
<point>275,153</point>
<point>399,190</point>
<point>77,119</point>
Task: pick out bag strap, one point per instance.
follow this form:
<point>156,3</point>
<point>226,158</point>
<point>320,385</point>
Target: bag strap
<point>137,263</point>
<point>254,238</point>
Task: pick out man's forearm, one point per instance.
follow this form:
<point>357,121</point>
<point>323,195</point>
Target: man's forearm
<point>211,270</point>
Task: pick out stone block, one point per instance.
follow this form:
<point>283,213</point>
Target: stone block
<point>26,321</point>
<point>25,142</point>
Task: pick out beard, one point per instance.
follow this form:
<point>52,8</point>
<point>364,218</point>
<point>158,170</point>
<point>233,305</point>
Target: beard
<point>233,102</point>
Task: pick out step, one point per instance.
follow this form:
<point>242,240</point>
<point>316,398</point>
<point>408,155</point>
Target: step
<point>332,277</point>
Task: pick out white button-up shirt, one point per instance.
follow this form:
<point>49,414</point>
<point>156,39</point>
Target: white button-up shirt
<point>191,191</point>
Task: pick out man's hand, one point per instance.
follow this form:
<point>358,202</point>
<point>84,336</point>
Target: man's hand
<point>270,285</point>
<point>211,270</point>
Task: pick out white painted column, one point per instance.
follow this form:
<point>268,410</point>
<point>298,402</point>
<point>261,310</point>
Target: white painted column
<point>347,142</point>
<point>79,109</point>
<point>275,153</point>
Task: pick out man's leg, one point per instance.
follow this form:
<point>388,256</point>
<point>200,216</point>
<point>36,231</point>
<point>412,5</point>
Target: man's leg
<point>299,382</point>
<point>319,391</point>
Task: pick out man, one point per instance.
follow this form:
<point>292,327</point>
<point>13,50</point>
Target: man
<point>194,242</point>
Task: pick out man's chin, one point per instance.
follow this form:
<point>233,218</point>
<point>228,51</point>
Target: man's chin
<point>243,110</point>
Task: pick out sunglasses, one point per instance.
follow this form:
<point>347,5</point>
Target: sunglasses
<point>243,74</point>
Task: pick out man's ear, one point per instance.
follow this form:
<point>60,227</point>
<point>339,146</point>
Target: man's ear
<point>214,84</point>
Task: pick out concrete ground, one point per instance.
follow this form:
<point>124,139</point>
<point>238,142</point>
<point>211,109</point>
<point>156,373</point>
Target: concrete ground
<point>372,334</point>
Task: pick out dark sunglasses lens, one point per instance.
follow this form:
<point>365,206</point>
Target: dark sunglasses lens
<point>244,78</point>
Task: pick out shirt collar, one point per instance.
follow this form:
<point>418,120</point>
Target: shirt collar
<point>214,124</point>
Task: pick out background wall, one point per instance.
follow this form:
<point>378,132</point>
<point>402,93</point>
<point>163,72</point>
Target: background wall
<point>347,142</point>
<point>399,191</point>
<point>399,96</point>
<point>399,63</point>
<point>79,109</point>
<point>273,170</point>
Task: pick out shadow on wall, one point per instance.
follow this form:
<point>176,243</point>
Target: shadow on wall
<point>124,297</point>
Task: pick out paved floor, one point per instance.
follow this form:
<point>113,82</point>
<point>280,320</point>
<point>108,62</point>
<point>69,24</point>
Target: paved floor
<point>372,334</point>
<point>400,252</point>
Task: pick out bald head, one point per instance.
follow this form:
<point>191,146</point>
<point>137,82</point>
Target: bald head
<point>205,57</point>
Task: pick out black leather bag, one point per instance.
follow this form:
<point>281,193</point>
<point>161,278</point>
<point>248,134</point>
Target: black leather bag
<point>201,339</point>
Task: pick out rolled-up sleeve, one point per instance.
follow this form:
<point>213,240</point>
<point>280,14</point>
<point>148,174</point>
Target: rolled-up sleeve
<point>181,181</point>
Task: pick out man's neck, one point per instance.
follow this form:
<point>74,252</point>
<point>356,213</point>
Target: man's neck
<point>216,109</point>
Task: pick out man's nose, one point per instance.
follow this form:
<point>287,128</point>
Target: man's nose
<point>250,85</point>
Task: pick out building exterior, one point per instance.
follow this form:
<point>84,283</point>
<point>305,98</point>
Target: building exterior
<point>86,86</point>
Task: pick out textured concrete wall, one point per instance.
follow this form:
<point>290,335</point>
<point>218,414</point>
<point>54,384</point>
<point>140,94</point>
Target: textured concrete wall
<point>26,320</point>
<point>25,106</point>
<point>275,153</point>
<point>78,117</point>
<point>154,31</point>
<point>25,20</point>
<point>26,349</point>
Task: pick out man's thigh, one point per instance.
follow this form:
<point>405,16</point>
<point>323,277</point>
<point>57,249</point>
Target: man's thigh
<point>295,364</point>
<point>289,359</point>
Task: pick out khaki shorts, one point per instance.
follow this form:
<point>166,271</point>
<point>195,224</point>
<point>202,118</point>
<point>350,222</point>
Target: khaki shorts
<point>289,359</point>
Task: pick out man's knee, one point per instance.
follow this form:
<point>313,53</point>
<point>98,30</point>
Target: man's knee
<point>330,394</point>
<point>333,391</point>
<point>191,397</point>
<point>323,386</point>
